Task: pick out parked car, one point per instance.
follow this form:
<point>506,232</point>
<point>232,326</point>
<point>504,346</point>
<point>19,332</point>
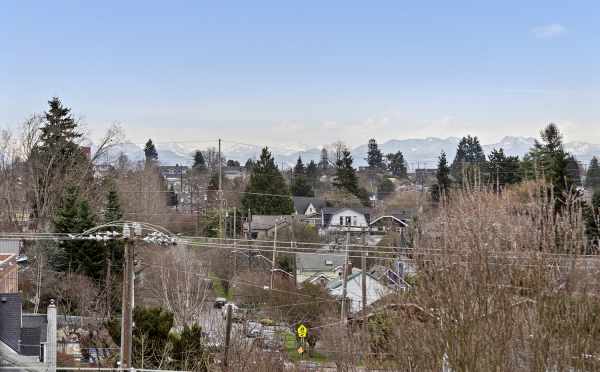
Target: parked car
<point>253,329</point>
<point>220,302</point>
<point>235,312</point>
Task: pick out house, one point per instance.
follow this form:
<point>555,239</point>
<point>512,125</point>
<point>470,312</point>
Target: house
<point>263,226</point>
<point>308,206</point>
<point>318,268</point>
<point>174,175</point>
<point>9,282</point>
<point>389,277</point>
<point>393,220</point>
<point>375,289</point>
<point>24,334</point>
<point>346,219</point>
<point>232,173</point>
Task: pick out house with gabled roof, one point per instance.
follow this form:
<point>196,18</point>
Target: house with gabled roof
<point>346,219</point>
<point>392,220</point>
<point>308,206</point>
<point>318,268</point>
<point>376,289</point>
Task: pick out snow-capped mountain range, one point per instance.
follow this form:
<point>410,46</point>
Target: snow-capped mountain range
<point>419,152</point>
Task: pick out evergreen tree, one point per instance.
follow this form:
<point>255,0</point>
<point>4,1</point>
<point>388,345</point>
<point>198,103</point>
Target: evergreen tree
<point>469,163</point>
<point>112,211</point>
<point>592,223</point>
<point>324,162</point>
<point>83,257</point>
<point>592,178</point>
<point>59,130</point>
<point>385,188</point>
<point>54,158</point>
<point>397,164</point>
<point>374,155</point>
<point>346,178</point>
<point>299,169</point>
<point>249,165</point>
<point>573,171</point>
<point>90,257</point>
<point>199,162</point>
<point>267,191</point>
<point>150,152</point>
<point>345,174</point>
<point>548,159</point>
<point>312,172</point>
<point>504,170</point>
<point>188,353</point>
<point>114,248</point>
<point>301,187</point>
<point>442,187</point>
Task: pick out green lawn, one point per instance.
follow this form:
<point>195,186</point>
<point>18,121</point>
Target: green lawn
<point>289,345</point>
<point>218,288</point>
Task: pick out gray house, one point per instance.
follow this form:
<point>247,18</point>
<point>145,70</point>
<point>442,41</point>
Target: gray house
<point>318,268</point>
<point>25,334</point>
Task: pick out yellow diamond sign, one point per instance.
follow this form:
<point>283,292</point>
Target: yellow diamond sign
<point>302,331</point>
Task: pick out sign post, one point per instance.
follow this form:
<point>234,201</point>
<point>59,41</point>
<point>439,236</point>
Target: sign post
<point>302,332</point>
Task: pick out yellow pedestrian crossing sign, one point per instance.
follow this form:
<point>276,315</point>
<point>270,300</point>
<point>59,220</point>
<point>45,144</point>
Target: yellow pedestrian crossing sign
<point>302,331</point>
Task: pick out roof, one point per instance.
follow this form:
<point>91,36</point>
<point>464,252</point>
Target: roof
<point>10,246</point>
<point>355,273</point>
<point>402,214</point>
<point>390,217</point>
<point>265,222</point>
<point>337,210</point>
<point>4,257</point>
<point>318,262</point>
<point>301,203</point>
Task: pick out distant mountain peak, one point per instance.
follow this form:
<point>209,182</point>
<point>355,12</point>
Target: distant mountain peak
<point>422,152</point>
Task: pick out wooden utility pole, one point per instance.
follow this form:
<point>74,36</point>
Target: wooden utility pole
<point>274,257</point>
<point>227,336</point>
<point>234,241</point>
<point>344,318</point>
<point>127,312</point>
<point>363,262</point>
<point>220,192</point>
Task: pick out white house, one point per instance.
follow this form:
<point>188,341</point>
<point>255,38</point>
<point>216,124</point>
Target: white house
<point>375,290</point>
<point>353,219</point>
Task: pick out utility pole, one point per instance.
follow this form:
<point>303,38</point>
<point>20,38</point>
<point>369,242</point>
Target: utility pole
<point>220,192</point>
<point>227,337</point>
<point>234,241</point>
<point>127,312</point>
<point>274,257</point>
<point>345,279</point>
<point>363,262</point>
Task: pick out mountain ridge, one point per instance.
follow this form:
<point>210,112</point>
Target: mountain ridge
<point>418,152</point>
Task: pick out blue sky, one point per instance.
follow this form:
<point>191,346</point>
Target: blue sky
<point>307,73</point>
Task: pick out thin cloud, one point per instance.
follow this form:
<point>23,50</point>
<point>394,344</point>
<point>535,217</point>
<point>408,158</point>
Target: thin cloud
<point>550,31</point>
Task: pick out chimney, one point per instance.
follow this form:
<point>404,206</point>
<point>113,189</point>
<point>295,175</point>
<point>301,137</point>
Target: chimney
<point>349,269</point>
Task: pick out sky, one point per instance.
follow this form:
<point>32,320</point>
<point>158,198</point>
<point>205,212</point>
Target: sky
<point>306,73</point>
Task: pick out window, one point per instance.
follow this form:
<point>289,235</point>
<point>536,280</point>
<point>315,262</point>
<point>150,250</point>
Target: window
<point>342,220</point>
<point>355,221</point>
<point>348,220</point>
